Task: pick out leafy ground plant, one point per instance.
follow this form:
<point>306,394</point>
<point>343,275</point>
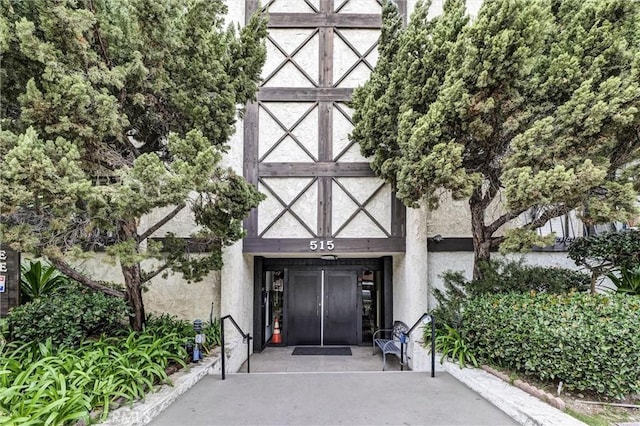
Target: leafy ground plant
<point>38,279</point>
<point>165,323</point>
<point>626,280</point>
<point>45,384</point>
<point>453,346</point>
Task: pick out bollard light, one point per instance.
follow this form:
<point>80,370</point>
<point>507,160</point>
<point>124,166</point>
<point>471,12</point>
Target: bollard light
<point>199,340</point>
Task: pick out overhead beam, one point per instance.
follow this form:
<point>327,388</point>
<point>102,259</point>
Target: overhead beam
<point>329,169</point>
<point>341,245</point>
<point>304,94</point>
<point>320,20</point>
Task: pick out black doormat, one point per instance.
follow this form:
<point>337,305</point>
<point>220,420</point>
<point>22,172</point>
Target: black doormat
<point>322,350</point>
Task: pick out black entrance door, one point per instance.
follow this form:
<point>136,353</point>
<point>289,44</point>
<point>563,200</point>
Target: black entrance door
<point>340,322</point>
<point>303,325</point>
<point>322,308</point>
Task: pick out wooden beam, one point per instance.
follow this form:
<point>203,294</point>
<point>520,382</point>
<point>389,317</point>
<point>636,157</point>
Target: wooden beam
<point>325,131</point>
<point>402,8</point>
<point>341,245</point>
<point>328,169</point>
<point>326,6</point>
<point>250,164</point>
<point>304,94</point>
<point>398,217</point>
<point>318,20</point>
<point>325,206</point>
<point>368,263</point>
<point>250,7</point>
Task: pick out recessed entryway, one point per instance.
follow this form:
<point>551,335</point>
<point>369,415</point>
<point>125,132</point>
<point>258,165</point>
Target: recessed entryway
<point>323,308</point>
<point>316,302</point>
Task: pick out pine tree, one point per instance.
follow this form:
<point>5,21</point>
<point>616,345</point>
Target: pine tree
<point>112,110</point>
<point>535,103</point>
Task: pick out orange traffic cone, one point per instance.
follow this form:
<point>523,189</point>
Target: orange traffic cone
<point>277,338</point>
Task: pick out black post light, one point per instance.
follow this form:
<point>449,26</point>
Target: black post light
<point>199,340</point>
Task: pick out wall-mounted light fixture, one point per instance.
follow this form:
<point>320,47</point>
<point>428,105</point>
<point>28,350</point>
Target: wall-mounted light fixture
<point>328,257</point>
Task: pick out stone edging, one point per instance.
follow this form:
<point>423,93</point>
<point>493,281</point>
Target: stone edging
<point>518,404</point>
<point>531,390</point>
<point>142,412</point>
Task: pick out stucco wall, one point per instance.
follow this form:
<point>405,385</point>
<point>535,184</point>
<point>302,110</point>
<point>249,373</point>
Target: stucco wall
<point>236,276</point>
<point>236,299</point>
<point>410,271</point>
<point>172,295</point>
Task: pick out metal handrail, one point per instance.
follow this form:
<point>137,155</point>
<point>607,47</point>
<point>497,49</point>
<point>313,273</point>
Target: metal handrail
<point>245,337</point>
<point>432,320</point>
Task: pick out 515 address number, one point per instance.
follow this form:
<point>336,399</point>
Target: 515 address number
<point>321,245</point>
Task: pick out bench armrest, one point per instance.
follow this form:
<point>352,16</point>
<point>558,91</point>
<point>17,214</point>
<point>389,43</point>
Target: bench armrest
<point>378,331</point>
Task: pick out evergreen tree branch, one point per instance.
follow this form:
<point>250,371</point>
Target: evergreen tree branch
<point>96,32</point>
<point>496,224</point>
<point>495,242</point>
<point>148,276</point>
<point>549,214</point>
<point>72,273</point>
<point>160,223</point>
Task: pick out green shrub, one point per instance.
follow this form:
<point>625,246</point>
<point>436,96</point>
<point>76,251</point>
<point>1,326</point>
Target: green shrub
<point>606,251</point>
<point>589,342</point>
<point>450,302</point>
<point>68,317</point>
<point>507,276</point>
<point>501,277</point>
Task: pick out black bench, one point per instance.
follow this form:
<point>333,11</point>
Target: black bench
<point>391,342</point>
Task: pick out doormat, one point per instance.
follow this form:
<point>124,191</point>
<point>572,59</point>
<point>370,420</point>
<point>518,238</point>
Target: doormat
<point>322,350</point>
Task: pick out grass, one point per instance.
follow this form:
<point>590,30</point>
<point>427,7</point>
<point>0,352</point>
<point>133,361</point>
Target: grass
<point>590,419</point>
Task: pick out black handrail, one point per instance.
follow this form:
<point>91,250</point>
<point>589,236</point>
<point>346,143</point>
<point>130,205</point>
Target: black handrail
<point>432,320</point>
<point>245,337</point>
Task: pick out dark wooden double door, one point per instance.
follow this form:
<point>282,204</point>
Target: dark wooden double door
<point>323,307</point>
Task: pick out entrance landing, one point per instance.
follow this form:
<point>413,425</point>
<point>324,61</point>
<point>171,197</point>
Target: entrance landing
<point>281,360</point>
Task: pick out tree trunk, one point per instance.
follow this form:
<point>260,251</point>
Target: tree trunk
<point>132,277</point>
<point>133,284</point>
<point>481,238</point>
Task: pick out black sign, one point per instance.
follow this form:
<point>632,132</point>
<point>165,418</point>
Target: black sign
<point>9,279</point>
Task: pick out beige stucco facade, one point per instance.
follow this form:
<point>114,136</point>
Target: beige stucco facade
<point>415,271</point>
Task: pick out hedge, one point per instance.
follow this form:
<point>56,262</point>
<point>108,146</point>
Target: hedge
<point>589,342</point>
<point>68,317</point>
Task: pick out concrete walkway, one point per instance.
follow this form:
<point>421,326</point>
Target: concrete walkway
<point>330,390</point>
<point>338,398</point>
